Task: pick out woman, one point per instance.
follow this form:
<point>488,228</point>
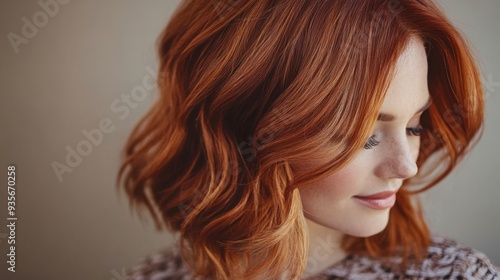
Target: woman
<point>290,135</point>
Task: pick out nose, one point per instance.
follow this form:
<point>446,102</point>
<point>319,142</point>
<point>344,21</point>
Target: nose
<point>398,161</point>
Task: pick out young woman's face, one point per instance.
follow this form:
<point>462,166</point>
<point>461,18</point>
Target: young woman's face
<point>387,159</point>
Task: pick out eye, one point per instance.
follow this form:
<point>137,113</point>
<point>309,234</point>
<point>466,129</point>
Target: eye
<point>415,131</point>
<point>372,142</point>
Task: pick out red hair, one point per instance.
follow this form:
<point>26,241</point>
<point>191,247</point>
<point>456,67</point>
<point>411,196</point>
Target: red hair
<point>248,89</point>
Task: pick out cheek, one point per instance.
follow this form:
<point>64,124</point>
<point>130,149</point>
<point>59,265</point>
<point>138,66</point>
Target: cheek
<point>335,187</point>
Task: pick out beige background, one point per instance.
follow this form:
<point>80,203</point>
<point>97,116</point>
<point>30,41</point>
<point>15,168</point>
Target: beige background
<point>76,71</point>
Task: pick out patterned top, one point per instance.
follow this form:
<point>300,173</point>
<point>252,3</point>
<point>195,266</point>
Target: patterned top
<point>446,259</point>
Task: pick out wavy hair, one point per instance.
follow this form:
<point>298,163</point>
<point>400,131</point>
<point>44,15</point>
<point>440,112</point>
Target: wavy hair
<point>248,89</point>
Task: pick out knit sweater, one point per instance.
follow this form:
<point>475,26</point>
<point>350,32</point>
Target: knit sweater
<point>446,259</point>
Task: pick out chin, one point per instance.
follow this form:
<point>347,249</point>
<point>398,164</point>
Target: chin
<point>370,227</point>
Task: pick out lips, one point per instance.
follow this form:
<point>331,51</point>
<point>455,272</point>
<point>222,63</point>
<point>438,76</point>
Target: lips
<point>380,195</point>
<point>378,201</point>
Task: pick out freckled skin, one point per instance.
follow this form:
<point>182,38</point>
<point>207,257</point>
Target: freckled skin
<point>329,206</point>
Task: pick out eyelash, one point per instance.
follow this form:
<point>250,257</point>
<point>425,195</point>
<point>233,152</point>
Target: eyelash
<point>415,131</point>
<point>410,131</point>
<point>372,142</point>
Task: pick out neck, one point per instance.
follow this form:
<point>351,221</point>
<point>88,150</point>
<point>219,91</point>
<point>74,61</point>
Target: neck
<point>324,248</point>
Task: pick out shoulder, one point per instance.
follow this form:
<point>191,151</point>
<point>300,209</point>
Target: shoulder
<point>445,259</point>
<point>445,255</point>
<point>164,264</point>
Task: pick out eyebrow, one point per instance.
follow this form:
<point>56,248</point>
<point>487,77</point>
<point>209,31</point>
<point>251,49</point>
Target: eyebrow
<point>383,117</point>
